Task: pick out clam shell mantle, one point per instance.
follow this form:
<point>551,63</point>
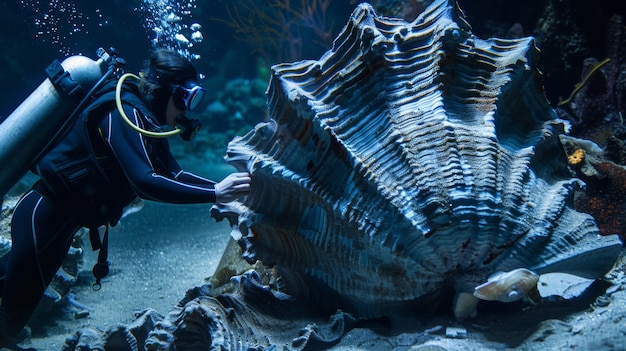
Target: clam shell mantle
<point>406,161</point>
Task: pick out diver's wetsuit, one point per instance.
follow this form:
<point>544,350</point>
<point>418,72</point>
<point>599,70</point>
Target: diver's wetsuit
<point>42,229</point>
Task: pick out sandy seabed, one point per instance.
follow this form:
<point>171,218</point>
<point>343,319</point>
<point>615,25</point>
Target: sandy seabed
<point>156,255</point>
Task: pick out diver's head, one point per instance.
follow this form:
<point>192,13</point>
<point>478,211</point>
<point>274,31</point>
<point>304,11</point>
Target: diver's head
<point>170,86</point>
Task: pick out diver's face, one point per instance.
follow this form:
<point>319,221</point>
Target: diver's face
<point>172,113</point>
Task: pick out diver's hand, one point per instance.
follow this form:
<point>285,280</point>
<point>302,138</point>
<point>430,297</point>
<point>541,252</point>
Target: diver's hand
<point>233,187</point>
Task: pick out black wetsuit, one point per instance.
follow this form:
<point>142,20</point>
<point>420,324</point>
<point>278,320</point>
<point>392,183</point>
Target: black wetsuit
<point>43,225</point>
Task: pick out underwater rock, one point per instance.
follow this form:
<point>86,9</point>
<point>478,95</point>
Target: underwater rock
<point>606,198</point>
<point>406,162</point>
<point>250,317</point>
<point>595,110</point>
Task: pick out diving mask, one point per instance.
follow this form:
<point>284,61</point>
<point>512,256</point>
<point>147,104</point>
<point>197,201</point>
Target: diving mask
<point>187,98</point>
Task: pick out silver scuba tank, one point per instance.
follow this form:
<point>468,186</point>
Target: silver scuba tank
<point>33,126</point>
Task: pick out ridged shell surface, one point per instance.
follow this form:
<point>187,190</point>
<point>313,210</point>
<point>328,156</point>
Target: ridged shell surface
<point>411,159</point>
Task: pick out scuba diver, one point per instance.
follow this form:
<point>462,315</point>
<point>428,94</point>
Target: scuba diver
<point>105,160</point>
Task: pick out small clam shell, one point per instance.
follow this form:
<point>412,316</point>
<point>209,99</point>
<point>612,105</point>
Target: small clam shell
<point>507,287</point>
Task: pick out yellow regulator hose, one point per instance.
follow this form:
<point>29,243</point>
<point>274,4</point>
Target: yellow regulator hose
<point>120,108</point>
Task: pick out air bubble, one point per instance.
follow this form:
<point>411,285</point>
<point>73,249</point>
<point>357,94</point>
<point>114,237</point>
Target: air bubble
<point>167,23</point>
<point>181,39</point>
<point>172,17</point>
<point>167,20</point>
<point>197,36</point>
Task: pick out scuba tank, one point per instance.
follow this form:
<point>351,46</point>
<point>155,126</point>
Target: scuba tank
<point>28,132</point>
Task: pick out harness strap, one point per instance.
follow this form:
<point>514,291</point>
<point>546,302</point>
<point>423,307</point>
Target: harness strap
<point>101,268</point>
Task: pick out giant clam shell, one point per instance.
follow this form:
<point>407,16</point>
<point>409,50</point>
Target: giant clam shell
<point>410,159</point>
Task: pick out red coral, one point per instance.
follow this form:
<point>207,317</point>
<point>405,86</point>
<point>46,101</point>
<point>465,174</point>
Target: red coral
<point>605,198</point>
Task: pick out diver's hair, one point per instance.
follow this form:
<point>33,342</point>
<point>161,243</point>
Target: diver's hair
<point>164,67</point>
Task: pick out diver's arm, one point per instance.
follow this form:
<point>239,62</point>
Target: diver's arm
<point>191,178</point>
<point>186,177</point>
<point>129,148</point>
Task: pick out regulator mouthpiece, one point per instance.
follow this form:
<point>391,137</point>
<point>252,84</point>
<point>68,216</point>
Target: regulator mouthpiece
<point>189,127</point>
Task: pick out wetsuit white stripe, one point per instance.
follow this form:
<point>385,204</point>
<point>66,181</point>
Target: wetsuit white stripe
<point>34,234</point>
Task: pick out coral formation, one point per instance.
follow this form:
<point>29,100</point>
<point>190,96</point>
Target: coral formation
<point>576,157</point>
<point>605,192</point>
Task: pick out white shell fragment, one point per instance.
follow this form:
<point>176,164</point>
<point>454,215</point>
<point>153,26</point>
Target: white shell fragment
<point>456,332</point>
<point>410,160</point>
<point>507,287</point>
